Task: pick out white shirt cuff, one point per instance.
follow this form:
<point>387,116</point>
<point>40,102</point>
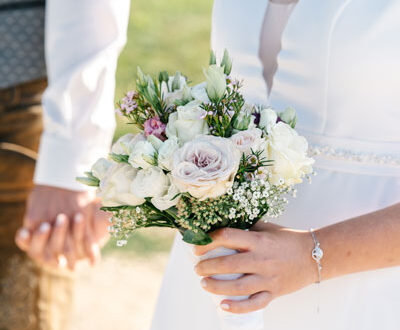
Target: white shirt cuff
<point>62,160</point>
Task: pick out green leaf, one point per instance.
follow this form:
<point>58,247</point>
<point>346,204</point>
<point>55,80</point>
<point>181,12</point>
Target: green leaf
<point>213,58</point>
<point>199,238</point>
<point>226,63</point>
<point>119,158</point>
<point>93,182</point>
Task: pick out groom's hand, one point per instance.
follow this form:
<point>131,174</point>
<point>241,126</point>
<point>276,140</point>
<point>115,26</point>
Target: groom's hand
<point>61,222</point>
<point>275,260</point>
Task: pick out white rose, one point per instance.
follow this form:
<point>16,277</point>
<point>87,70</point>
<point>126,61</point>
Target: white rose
<point>268,118</point>
<point>165,201</point>
<point>150,182</point>
<point>142,155</point>
<point>216,82</point>
<point>248,140</point>
<point>166,152</point>
<point>187,122</point>
<point>115,186</point>
<point>288,150</point>
<point>124,144</point>
<point>100,168</point>
<point>199,93</point>
<point>206,166</point>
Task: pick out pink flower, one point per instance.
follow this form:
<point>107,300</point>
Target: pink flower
<point>154,126</point>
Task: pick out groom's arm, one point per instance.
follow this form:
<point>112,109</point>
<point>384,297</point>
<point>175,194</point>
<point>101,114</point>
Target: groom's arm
<point>83,41</point>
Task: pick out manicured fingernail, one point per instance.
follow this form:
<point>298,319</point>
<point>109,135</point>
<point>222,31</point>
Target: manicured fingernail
<point>203,283</point>
<point>60,220</point>
<point>78,217</point>
<point>225,307</point>
<point>96,251</point>
<point>62,261</point>
<point>23,233</point>
<point>44,227</point>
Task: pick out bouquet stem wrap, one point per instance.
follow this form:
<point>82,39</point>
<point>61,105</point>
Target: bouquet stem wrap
<point>230,321</point>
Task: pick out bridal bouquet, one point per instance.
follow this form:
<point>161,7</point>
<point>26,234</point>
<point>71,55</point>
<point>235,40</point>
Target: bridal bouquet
<point>203,159</point>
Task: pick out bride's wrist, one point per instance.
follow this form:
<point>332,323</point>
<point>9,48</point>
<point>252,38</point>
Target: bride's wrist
<point>310,265</point>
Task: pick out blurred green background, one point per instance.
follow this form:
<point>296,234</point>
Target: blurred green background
<point>162,35</point>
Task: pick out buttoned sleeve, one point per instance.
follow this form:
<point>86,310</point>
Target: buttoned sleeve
<point>83,41</point>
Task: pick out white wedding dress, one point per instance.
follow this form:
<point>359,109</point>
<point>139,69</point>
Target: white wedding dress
<point>340,68</point>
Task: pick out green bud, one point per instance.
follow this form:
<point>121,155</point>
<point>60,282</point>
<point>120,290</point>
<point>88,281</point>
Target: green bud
<point>213,58</point>
<point>155,141</point>
<point>226,63</point>
<point>176,83</point>
<point>216,82</point>
<point>289,116</point>
<point>163,76</point>
<point>242,121</point>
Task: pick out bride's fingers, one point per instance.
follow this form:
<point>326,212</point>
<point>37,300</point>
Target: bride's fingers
<point>231,238</point>
<point>23,238</point>
<point>57,238</point>
<point>236,263</point>
<point>255,302</point>
<point>246,285</point>
<point>38,242</point>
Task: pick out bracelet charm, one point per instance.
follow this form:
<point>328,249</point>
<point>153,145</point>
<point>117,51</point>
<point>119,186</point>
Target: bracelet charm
<point>317,254</point>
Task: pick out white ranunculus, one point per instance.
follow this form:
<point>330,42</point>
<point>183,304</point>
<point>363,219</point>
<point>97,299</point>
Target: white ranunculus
<point>206,166</point>
<point>288,150</point>
<point>187,122</point>
<point>150,182</point>
<point>142,155</point>
<point>199,93</point>
<point>248,140</point>
<point>165,201</point>
<point>166,152</point>
<point>115,186</point>
<point>171,96</point>
<point>268,118</point>
<point>216,82</point>
<point>100,168</point>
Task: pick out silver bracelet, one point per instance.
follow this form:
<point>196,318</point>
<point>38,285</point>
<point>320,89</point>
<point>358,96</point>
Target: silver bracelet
<point>317,254</point>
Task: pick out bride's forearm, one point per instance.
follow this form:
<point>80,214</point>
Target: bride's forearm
<point>367,242</point>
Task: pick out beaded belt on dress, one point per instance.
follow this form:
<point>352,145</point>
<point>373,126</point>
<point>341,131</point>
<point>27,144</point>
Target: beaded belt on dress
<point>356,156</point>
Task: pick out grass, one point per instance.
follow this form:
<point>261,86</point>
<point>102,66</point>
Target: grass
<point>162,35</point>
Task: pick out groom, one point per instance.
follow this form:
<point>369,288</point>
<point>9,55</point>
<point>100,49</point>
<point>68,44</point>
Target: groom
<point>82,40</point>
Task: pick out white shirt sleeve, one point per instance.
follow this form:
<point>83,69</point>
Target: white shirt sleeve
<point>83,41</point>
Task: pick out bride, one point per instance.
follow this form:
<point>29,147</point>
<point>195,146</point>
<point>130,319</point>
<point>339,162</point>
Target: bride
<point>336,62</point>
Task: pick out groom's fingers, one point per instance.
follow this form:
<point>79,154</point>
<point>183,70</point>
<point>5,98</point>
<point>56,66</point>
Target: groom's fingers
<point>255,302</point>
<point>246,285</point>
<point>77,233</point>
<point>91,247</point>
<point>57,237</point>
<point>236,239</point>
<point>39,241</point>
<point>233,264</point>
<point>23,238</point>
